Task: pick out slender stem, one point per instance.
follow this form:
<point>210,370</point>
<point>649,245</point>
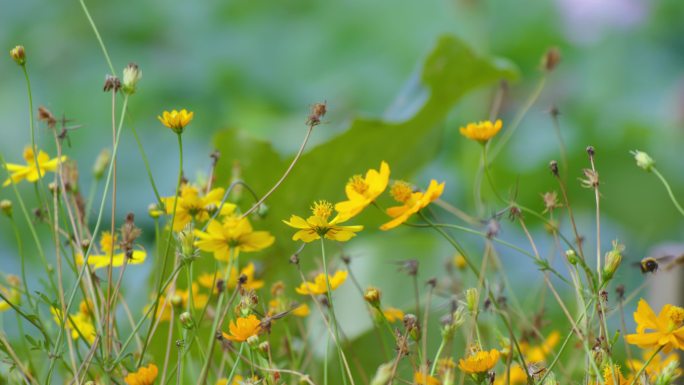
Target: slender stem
<point>147,164</point>
<point>669,190</point>
<point>636,377</point>
<point>112,228</point>
<point>99,38</point>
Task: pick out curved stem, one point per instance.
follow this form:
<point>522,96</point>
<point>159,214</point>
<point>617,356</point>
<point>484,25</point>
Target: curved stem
<point>669,190</point>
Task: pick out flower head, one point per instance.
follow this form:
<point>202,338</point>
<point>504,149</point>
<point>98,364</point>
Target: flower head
<point>518,377</point>
<point>320,225</point>
<point>667,329</point>
<point>144,376</point>
<point>420,378</point>
<point>657,365</point>
<point>319,285</point>
<point>411,202</point>
<point>208,280</point>
<point>479,361</point>
<point>80,324</point>
<point>176,120</point>
<point>481,131</point>
<point>191,204</point>
<point>243,328</point>
<point>392,314</point>
<point>643,160</point>
<point>234,233</point>
<point>18,54</point>
<point>362,191</point>
<point>112,254</point>
<point>131,76</point>
<point>32,171</point>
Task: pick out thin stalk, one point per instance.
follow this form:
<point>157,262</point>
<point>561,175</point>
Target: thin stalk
<point>669,190</point>
<point>636,377</point>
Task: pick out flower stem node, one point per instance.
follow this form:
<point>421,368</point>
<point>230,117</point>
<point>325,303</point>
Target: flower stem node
<point>131,76</point>
<point>18,54</point>
<point>643,160</point>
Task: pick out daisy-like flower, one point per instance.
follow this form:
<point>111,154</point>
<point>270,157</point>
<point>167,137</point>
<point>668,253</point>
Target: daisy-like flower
<point>207,280</point>
<point>80,324</point>
<point>667,329</point>
<point>319,225</point>
<point>192,205</point>
<point>479,361</point>
<point>538,353</point>
<point>362,191</point>
<point>420,378</point>
<point>518,377</point>
<point>144,376</point>
<point>481,131</point>
<point>243,328</point>
<point>234,233</point>
<point>176,120</point>
<point>411,202</point>
<point>32,171</point>
<point>656,366</point>
<point>392,314</point>
<point>319,286</point>
<point>109,245</point>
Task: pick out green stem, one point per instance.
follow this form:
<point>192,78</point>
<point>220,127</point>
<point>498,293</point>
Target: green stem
<point>669,190</point>
<point>147,165</point>
<point>636,377</point>
<point>439,353</point>
<point>99,38</point>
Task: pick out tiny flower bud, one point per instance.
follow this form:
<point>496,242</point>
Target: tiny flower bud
<point>18,54</point>
<point>253,341</point>
<point>571,256</point>
<point>372,296</point>
<point>186,320</point>
<point>176,300</point>
<point>460,261</point>
<point>154,211</point>
<point>101,163</point>
<point>383,374</point>
<point>613,259</point>
<point>131,76</point>
<point>264,347</point>
<point>261,211</point>
<point>551,59</point>
<point>186,245</point>
<point>472,299</point>
<point>643,160</point>
<point>6,207</point>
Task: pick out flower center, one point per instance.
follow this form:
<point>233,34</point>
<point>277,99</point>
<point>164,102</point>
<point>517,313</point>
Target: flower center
<point>676,315</point>
<point>107,242</point>
<point>358,184</point>
<point>322,209</point>
<point>401,191</point>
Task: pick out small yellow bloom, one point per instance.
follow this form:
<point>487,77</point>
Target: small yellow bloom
<point>319,286</point>
<point>208,280</point>
<point>319,225</point>
<point>420,378</point>
<point>235,233</point>
<point>109,245</point>
<point>277,305</point>
<point>193,205</point>
<point>301,310</point>
<point>243,328</point>
<point>144,375</point>
<point>392,314</point>
<point>656,366</point>
<point>538,353</point>
<point>32,172</point>
<point>80,324</point>
<point>518,377</point>
<point>412,202</point>
<point>176,120</point>
<point>479,362</point>
<point>667,328</point>
<point>362,191</point>
<point>460,262</point>
<point>613,376</point>
<point>481,131</point>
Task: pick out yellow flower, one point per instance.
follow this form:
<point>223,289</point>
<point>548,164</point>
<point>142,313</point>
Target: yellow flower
<point>539,353</point>
<point>235,233</point>
<point>420,378</point>
<point>144,375</point>
<point>460,262</point>
<point>238,380</point>
<point>176,120</point>
<point>479,362</point>
<point>412,202</point>
<point>243,328</point>
<point>276,306</point>
<point>78,322</point>
<point>301,310</point>
<point>656,366</point>
<point>191,205</point>
<point>108,244</point>
<point>481,131</point>
<point>12,293</point>
<point>208,280</point>
<point>613,376</point>
<point>362,191</point>
<point>318,225</point>
<point>392,314</point>
<point>319,286</point>
<point>518,377</point>
<point>32,172</point>
<point>179,298</point>
<point>667,328</point>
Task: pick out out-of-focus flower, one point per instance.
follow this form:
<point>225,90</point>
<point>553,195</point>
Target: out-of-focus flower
<point>144,376</point>
<point>319,286</point>
<point>12,293</point>
<point>193,205</point>
<point>111,254</point>
<point>392,314</point>
<point>420,378</point>
<point>657,365</point>
<point>479,361</point>
<point>207,280</point>
<point>80,324</point>
<point>32,171</point>
<point>538,353</point>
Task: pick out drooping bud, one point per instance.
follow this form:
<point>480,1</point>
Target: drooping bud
<point>643,160</point>
<point>131,76</point>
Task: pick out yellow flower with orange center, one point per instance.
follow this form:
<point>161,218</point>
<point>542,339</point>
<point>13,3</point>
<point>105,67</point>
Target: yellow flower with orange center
<point>479,361</point>
<point>144,376</point>
<point>32,171</point>
<point>243,328</point>
<point>411,202</point>
<point>362,191</point>
<point>208,280</point>
<point>481,131</point>
<point>176,120</point>
<point>319,225</point>
<point>319,285</point>
<point>667,329</point>
<point>193,205</point>
<point>234,233</point>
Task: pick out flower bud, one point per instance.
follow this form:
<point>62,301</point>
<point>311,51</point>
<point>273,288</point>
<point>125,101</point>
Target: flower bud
<point>176,300</point>
<point>613,259</point>
<point>383,374</point>
<point>6,207</point>
<point>372,296</point>
<point>571,256</point>
<point>472,299</point>
<point>668,374</point>
<point>265,347</point>
<point>186,245</point>
<point>101,163</point>
<point>18,54</point>
<point>253,341</point>
<point>154,211</point>
<point>131,76</point>
<point>186,320</point>
<point>643,160</point>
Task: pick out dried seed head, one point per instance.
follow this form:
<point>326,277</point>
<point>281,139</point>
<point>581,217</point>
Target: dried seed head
<point>493,228</point>
<point>44,115</point>
<point>553,166</point>
<point>591,151</point>
<point>318,111</point>
<point>551,201</point>
<point>591,178</point>
<point>551,59</point>
<point>112,83</point>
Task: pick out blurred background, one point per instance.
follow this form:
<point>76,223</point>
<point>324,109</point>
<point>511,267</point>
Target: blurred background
<point>256,67</point>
